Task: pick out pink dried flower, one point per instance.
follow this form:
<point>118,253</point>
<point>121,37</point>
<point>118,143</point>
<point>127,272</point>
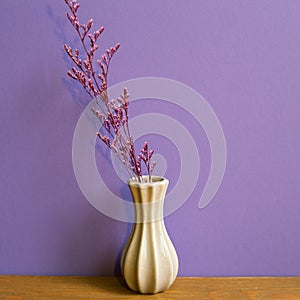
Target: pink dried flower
<point>113,116</point>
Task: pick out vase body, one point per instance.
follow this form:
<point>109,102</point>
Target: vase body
<point>149,262</point>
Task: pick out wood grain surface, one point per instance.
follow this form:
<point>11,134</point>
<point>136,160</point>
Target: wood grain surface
<point>223,288</point>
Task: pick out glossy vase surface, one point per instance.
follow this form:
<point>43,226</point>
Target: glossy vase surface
<point>149,262</point>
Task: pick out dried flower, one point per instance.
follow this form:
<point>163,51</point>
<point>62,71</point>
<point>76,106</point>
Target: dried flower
<point>113,114</point>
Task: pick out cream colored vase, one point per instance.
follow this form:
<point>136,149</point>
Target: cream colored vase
<point>149,262</point>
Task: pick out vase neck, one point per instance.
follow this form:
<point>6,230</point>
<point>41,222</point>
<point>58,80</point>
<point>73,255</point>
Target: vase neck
<point>147,193</point>
<point>149,200</point>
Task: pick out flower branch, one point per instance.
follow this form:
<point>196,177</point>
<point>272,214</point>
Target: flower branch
<point>113,114</point>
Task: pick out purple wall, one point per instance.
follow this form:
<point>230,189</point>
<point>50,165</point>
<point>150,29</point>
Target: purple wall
<point>242,56</point>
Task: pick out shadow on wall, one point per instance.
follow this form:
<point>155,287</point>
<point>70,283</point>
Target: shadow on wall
<point>78,95</point>
<point>89,248</point>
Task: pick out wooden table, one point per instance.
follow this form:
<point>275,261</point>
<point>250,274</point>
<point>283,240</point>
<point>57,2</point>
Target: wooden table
<point>223,288</point>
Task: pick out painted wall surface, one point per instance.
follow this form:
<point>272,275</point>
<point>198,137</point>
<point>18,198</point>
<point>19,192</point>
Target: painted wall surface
<point>242,56</point>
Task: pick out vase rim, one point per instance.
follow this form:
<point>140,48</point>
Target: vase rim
<point>155,181</point>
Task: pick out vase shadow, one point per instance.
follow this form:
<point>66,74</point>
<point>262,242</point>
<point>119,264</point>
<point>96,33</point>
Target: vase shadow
<point>114,285</point>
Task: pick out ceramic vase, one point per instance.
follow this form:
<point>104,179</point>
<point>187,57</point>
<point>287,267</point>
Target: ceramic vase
<point>149,263</point>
